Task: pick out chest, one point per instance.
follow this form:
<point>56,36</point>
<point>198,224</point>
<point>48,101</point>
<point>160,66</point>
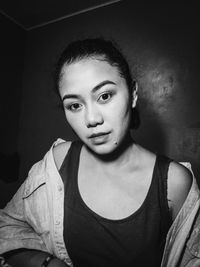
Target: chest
<point>113,196</point>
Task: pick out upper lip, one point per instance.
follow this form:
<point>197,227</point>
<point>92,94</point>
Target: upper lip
<point>98,134</point>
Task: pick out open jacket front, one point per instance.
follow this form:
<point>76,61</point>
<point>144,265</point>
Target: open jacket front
<point>34,218</point>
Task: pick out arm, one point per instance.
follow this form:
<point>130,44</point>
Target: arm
<point>15,231</point>
<point>179,183</point>
<point>31,258</point>
<point>24,222</point>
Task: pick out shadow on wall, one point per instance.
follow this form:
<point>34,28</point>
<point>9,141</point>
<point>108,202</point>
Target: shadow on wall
<point>169,119</point>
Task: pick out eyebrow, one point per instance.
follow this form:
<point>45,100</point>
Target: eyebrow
<point>96,88</point>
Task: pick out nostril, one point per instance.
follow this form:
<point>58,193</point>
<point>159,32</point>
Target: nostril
<point>95,122</point>
<point>92,124</point>
<point>93,118</point>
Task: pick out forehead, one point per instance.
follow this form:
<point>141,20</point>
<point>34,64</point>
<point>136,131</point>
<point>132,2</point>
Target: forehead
<point>88,70</point>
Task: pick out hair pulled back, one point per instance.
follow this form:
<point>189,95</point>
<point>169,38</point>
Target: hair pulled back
<point>100,49</point>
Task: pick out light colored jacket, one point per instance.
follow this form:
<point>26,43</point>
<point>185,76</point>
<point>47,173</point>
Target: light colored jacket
<point>34,218</point>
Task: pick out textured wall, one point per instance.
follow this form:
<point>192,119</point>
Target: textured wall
<point>12,41</point>
<point>161,42</point>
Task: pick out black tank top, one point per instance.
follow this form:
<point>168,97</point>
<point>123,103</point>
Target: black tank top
<point>135,241</point>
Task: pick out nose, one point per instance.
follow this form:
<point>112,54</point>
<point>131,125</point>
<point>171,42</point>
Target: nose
<point>93,117</point>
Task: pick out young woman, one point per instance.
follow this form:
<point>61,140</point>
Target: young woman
<point>103,200</point>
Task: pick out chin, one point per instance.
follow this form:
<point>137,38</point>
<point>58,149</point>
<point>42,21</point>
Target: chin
<point>103,149</point>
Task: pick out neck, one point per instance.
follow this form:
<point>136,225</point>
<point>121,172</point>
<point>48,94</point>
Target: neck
<point>119,156</point>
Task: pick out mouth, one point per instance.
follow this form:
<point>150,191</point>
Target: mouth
<point>99,138</point>
<point>94,135</point>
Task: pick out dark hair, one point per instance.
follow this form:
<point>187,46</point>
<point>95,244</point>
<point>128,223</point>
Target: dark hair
<point>100,49</point>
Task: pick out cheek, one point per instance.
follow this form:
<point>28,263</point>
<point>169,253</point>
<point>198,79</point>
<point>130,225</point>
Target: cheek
<point>123,119</point>
<point>69,119</point>
<point>75,123</point>
<point>122,113</point>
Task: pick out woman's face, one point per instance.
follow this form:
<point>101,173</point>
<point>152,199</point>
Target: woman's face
<point>97,103</point>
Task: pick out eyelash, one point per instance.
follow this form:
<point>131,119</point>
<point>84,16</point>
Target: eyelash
<point>110,94</point>
<point>105,93</point>
<point>70,107</point>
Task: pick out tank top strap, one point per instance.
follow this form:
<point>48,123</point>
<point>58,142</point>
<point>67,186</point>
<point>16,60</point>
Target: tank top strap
<point>70,162</point>
<point>162,176</point>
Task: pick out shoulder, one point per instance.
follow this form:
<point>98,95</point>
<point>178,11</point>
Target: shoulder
<point>59,153</point>
<point>179,184</point>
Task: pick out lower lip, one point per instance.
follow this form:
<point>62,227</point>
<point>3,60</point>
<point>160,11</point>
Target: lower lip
<point>100,139</point>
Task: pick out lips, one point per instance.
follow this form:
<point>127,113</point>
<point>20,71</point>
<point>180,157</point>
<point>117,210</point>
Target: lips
<point>94,135</point>
<point>99,138</point>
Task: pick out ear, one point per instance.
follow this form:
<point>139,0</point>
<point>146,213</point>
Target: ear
<point>134,95</point>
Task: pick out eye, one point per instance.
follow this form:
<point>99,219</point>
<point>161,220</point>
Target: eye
<point>74,107</point>
<point>105,97</point>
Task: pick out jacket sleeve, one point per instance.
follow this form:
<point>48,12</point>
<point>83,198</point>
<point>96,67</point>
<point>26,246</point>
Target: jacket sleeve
<point>17,229</point>
<point>191,253</point>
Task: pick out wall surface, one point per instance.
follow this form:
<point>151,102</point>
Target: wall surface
<point>162,45</point>
<point>12,41</point>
